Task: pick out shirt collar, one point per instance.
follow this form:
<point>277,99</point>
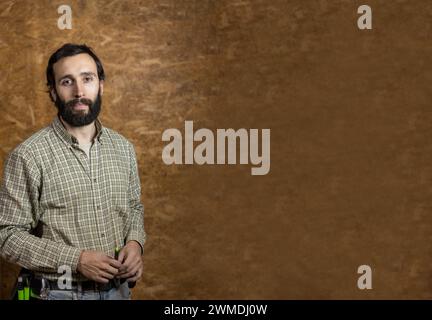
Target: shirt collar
<point>61,130</point>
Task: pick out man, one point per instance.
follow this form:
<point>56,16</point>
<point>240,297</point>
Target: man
<point>78,183</point>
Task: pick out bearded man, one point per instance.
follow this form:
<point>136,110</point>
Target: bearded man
<point>70,194</point>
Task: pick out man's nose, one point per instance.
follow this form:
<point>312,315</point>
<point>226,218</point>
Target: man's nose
<point>78,90</point>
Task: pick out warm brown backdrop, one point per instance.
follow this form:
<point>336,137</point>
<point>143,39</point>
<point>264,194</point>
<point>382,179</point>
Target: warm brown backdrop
<point>350,119</point>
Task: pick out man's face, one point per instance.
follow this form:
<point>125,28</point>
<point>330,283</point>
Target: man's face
<point>78,90</point>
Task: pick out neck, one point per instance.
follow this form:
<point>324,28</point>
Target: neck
<point>84,134</point>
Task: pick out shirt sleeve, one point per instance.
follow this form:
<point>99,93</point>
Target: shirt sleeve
<point>19,214</point>
<point>136,231</point>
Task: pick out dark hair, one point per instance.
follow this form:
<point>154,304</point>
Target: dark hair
<point>68,50</point>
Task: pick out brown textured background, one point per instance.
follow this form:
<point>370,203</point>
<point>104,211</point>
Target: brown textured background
<point>350,118</point>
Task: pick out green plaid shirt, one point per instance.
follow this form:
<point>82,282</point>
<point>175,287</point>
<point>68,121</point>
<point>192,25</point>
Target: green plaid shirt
<point>74,201</point>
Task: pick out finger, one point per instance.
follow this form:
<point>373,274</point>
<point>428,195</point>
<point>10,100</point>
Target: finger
<point>133,279</point>
<point>101,280</point>
<point>121,259</point>
<point>131,273</point>
<point>129,259</point>
<point>114,263</point>
<point>121,255</point>
<point>105,275</point>
<point>129,265</point>
<point>128,268</point>
<point>137,276</point>
<point>128,274</point>
<point>134,260</point>
<point>111,270</point>
<point>123,269</point>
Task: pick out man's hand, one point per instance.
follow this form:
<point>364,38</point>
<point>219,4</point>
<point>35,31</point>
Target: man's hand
<point>132,265</point>
<point>97,266</point>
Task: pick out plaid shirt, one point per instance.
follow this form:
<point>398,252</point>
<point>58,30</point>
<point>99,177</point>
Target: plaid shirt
<point>76,202</point>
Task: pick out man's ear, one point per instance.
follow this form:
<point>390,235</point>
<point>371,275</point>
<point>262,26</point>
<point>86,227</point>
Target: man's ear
<point>101,86</point>
<point>53,94</point>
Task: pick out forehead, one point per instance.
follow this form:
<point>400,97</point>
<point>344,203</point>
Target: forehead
<point>74,65</point>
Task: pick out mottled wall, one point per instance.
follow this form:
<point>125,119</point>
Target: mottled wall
<point>350,119</point>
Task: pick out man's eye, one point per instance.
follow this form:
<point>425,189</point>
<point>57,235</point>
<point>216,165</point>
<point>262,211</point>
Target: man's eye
<point>67,82</point>
<point>88,79</point>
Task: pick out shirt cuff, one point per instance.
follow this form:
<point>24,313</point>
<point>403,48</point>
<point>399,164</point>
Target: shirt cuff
<point>135,237</point>
<point>69,256</point>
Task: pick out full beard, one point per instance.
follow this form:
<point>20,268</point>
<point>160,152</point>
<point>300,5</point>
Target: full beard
<point>79,118</point>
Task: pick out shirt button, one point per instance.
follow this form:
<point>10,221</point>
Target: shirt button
<point>98,207</point>
<point>102,235</point>
<point>94,180</point>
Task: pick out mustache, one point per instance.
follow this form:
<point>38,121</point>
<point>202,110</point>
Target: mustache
<point>73,102</point>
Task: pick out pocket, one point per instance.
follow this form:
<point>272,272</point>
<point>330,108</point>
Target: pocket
<point>125,292</point>
<point>60,295</point>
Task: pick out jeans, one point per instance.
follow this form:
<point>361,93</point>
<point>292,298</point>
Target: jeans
<point>121,293</point>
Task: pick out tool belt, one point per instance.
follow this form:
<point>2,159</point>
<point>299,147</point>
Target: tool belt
<point>38,287</point>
